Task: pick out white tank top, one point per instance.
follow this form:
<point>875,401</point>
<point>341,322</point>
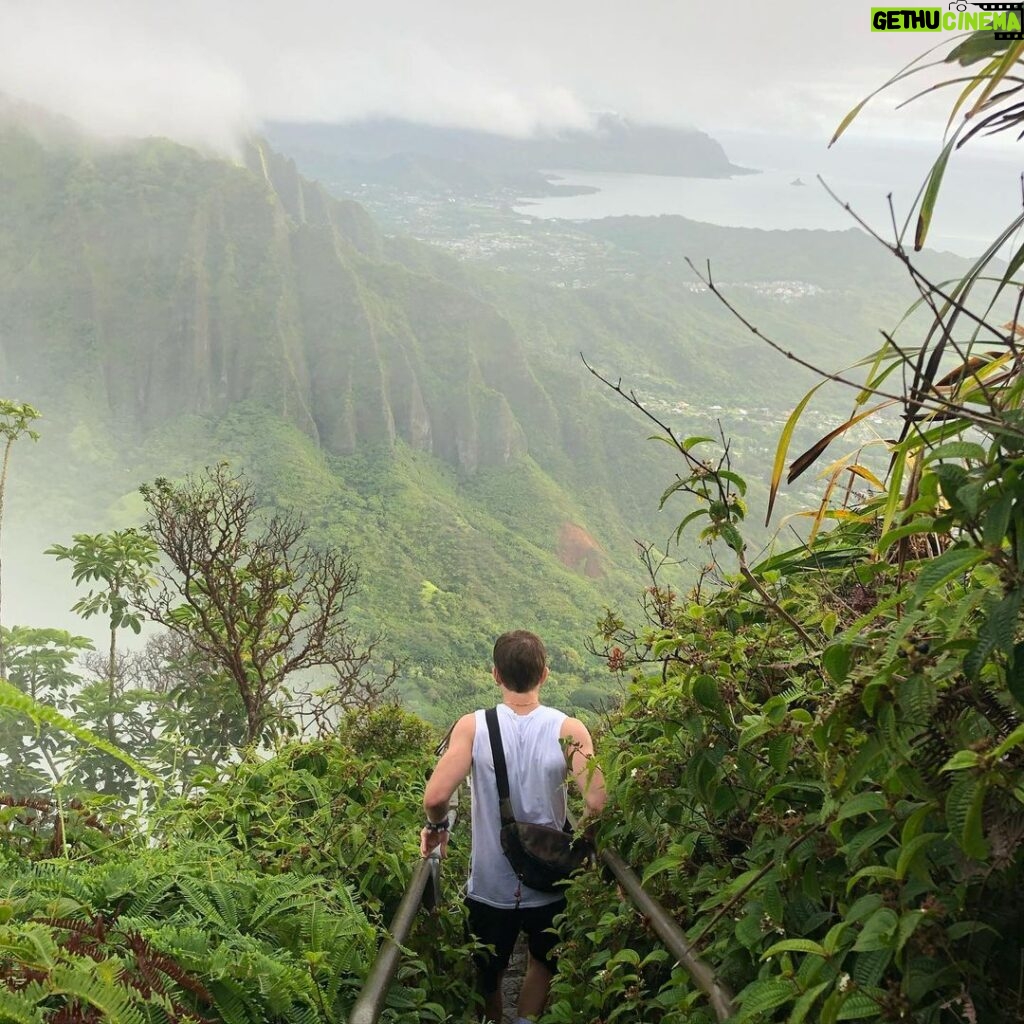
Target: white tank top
<point>536,780</point>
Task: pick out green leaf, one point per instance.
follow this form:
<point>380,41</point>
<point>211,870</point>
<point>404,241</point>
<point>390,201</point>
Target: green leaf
<point>960,760</point>
<point>862,803</point>
<point>858,1006</point>
<point>753,728</point>
<point>997,633</point>
<point>748,931</point>
<point>970,497</point>
<point>931,193</point>
<point>862,908</point>
<point>957,450</point>
<point>696,514</point>
<point>803,1005</point>
<point>733,478</point>
<point>962,929</point>
<point>908,925</point>
<point>910,852</point>
<point>869,967</point>
<point>917,526</point>
<point>692,442</point>
<point>997,522</point>
<point>977,46</point>
<point>866,838</point>
<point>705,693</point>
<point>951,563</point>
<point>879,931</point>
<point>762,996</point>
<point>780,749</point>
<point>732,537</point>
<point>678,485</point>
<point>836,660</point>
<point>872,871</point>
<point>796,946</point>
<point>668,862</point>
<point>786,436</point>
<point>892,501</point>
<point>625,956</point>
<point>973,837</point>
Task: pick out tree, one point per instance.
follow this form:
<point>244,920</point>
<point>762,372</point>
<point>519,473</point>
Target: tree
<point>251,594</point>
<point>15,422</point>
<point>199,708</point>
<point>122,561</point>
<point>39,662</point>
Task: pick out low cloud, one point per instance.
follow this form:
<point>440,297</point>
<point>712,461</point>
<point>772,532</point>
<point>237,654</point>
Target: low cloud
<point>210,75</point>
<point>116,77</point>
<point>206,73</point>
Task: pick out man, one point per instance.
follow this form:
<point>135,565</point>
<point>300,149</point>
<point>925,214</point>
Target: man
<point>542,746</point>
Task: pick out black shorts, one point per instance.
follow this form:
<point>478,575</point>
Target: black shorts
<point>500,927</point>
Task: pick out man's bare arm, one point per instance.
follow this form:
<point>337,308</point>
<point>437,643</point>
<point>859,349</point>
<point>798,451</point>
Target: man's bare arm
<point>448,773</point>
<point>585,772</point>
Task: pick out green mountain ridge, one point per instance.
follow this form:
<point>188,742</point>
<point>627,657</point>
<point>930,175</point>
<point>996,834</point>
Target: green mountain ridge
<point>166,311</point>
<point>232,288</point>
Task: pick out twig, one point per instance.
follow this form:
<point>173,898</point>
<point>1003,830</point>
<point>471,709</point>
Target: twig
<point>630,396</point>
<point>745,572</point>
<point>835,377</point>
<point>737,896</point>
<point>901,255</point>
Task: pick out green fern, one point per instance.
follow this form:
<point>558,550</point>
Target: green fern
<point>92,984</point>
<point>17,1008</point>
<point>31,945</point>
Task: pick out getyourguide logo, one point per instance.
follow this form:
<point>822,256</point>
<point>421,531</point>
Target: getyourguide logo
<point>1005,20</point>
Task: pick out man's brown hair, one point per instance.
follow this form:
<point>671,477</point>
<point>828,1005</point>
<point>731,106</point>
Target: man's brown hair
<point>520,659</point>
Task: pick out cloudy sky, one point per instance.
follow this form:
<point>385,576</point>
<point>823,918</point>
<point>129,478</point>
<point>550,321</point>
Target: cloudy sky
<point>205,70</point>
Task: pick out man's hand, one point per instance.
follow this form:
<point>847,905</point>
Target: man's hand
<point>430,841</point>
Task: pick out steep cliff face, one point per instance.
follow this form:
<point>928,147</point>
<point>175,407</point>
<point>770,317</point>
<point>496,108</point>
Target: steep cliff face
<point>174,285</point>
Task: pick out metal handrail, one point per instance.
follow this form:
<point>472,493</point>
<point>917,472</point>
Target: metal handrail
<point>424,889</point>
<point>670,933</point>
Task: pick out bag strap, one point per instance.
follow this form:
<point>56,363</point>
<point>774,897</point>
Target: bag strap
<point>500,768</point>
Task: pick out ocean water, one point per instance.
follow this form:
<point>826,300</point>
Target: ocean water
<point>981,192</point>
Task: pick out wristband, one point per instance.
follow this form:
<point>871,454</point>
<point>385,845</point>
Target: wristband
<point>437,826</point>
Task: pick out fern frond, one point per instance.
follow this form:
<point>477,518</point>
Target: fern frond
<point>1000,716</point>
<point>225,898</point>
<point>84,984</point>
<point>231,1005</point>
<point>30,944</point>
<point>282,894</point>
<point>199,901</point>
<point>17,1008</point>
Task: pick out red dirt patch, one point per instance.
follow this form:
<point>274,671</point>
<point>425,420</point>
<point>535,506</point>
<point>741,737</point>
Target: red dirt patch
<point>578,551</point>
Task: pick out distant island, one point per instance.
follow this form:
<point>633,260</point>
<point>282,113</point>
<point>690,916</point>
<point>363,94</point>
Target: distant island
<point>405,154</point>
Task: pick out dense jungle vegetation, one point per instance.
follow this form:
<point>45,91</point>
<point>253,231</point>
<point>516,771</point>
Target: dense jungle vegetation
<point>818,762</point>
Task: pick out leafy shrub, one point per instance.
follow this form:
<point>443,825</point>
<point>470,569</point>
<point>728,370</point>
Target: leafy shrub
<point>261,898</point>
<point>830,800</point>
